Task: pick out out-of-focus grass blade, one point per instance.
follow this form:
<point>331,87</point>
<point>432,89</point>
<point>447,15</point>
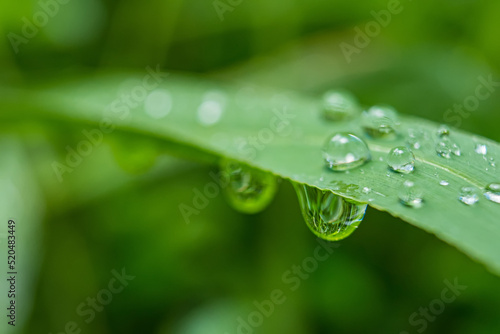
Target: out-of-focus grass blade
<point>21,202</point>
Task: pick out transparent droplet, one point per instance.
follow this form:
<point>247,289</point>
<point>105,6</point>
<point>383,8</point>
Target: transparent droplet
<point>366,190</point>
<point>492,192</point>
<point>444,183</point>
<point>492,163</point>
<point>345,151</point>
<point>380,121</point>
<point>411,195</point>
<point>247,189</point>
<point>443,131</point>
<point>401,159</point>
<point>339,105</point>
<point>469,195</point>
<point>329,216</point>
<point>414,139</point>
<point>158,103</point>
<point>447,147</point>
<point>481,149</point>
<point>211,108</point>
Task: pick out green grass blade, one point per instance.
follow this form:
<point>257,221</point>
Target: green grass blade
<point>293,151</point>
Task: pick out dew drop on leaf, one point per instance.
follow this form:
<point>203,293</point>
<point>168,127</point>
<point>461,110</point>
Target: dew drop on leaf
<point>339,105</point>
<point>329,216</point>
<point>492,192</point>
<point>416,138</point>
<point>344,151</point>
<point>446,148</point>
<point>380,121</point>
<point>401,159</point>
<point>411,195</point>
<point>443,131</point>
<point>211,108</point>
<point>247,189</point>
<point>444,183</point>
<point>158,103</point>
<point>468,195</point>
<point>481,149</point>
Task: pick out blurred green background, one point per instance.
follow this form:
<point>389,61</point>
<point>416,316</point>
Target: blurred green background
<point>120,208</point>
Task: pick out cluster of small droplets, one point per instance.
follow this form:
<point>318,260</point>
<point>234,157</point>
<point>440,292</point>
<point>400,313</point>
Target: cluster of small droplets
<point>469,195</point>
<point>447,147</point>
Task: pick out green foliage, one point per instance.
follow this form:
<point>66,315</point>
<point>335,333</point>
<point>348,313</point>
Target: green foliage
<point>283,133</point>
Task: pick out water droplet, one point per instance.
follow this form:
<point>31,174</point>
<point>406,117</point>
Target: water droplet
<point>339,105</point>
<point>444,183</point>
<point>443,131</point>
<point>417,138</point>
<point>468,195</point>
<point>158,103</point>
<point>411,196</point>
<point>481,149</point>
<point>247,189</point>
<point>446,147</point>
<point>380,121</point>
<point>345,151</point>
<point>211,109</point>
<point>414,143</point>
<point>492,163</point>
<point>366,190</point>
<point>401,160</point>
<point>329,216</point>
<point>492,192</point>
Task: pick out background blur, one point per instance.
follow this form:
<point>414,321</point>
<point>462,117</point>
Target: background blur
<point>120,208</point>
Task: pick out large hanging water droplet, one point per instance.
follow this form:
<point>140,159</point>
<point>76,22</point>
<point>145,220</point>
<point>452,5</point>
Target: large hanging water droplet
<point>411,195</point>
<point>447,147</point>
<point>380,121</point>
<point>492,192</point>
<point>339,105</point>
<point>468,195</point>
<point>247,189</point>
<point>344,151</point>
<point>329,216</point>
<point>401,160</point>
